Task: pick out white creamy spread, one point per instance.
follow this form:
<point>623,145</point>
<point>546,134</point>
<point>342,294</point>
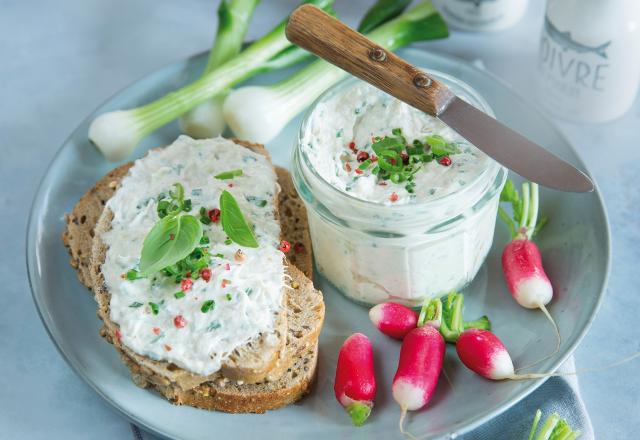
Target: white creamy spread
<point>362,112</point>
<point>392,244</point>
<point>247,293</point>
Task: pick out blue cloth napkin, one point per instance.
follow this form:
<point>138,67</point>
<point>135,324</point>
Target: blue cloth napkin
<point>557,394</point>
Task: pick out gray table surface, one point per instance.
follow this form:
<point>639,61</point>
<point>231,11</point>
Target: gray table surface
<point>59,60</point>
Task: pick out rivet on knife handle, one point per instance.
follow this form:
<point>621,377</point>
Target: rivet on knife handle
<point>311,29</point>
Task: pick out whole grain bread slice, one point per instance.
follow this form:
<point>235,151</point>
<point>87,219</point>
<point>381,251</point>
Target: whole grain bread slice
<point>305,308</point>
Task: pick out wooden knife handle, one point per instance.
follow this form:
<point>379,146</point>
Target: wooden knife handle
<point>327,37</point>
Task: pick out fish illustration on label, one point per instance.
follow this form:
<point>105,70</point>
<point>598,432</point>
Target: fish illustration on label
<point>565,40</point>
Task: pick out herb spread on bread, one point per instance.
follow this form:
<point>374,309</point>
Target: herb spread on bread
<point>193,262</point>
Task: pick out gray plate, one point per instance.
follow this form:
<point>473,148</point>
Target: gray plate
<point>575,246</point>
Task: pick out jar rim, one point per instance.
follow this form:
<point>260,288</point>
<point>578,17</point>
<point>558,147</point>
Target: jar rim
<point>300,157</point>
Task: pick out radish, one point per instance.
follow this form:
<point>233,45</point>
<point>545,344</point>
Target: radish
<point>484,353</point>
<point>419,367</point>
<point>521,259</point>
<point>355,383</point>
<point>393,319</point>
<point>396,320</point>
<point>452,324</point>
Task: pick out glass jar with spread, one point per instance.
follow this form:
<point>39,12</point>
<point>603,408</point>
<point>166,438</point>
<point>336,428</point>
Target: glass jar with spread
<point>401,208</point>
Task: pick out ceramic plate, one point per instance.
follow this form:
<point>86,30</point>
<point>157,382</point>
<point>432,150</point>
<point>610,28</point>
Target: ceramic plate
<point>575,245</point>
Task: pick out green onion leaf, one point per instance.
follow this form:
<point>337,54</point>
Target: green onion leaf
<point>229,174</point>
<point>179,294</point>
<point>234,223</point>
<point>364,165</point>
<point>135,305</point>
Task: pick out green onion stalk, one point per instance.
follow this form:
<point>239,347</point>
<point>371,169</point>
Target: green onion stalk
<point>554,428</point>
<point>117,133</point>
<point>259,113</point>
<point>234,16</point>
<point>207,120</point>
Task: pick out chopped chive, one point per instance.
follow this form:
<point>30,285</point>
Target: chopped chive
<point>132,275</point>
<point>229,174</point>
<point>364,165</point>
<point>135,305</point>
<point>179,294</point>
<point>228,241</point>
<point>207,306</point>
<point>154,308</point>
<point>229,297</point>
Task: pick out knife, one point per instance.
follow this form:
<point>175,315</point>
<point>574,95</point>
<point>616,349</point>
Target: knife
<point>327,37</point>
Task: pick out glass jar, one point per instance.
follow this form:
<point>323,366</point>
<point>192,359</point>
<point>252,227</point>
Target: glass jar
<point>375,252</point>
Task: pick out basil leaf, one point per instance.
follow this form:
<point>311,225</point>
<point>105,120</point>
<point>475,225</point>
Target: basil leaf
<point>234,223</point>
<point>229,174</point>
<point>169,241</point>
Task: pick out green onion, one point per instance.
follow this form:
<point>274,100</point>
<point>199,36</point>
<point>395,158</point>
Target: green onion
<point>117,133</point>
<point>260,113</point>
<point>135,305</point>
<point>229,297</point>
<point>179,294</point>
<point>364,165</point>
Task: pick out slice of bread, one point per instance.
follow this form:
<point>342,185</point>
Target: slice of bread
<point>304,310</point>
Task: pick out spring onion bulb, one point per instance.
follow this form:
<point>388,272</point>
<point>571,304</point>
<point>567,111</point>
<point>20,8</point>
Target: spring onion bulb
<point>206,120</point>
<point>259,113</point>
<point>116,134</point>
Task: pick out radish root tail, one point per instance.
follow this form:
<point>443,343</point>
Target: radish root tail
<point>573,373</point>
<point>558,339</point>
<point>403,414</point>
<point>446,376</point>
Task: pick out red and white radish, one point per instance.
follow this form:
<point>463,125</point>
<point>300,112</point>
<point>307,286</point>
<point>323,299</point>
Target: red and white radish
<point>521,260</point>
<point>419,367</point>
<point>484,353</point>
<point>393,319</point>
<point>355,382</point>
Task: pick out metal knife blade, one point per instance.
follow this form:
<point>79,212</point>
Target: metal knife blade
<point>513,150</point>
